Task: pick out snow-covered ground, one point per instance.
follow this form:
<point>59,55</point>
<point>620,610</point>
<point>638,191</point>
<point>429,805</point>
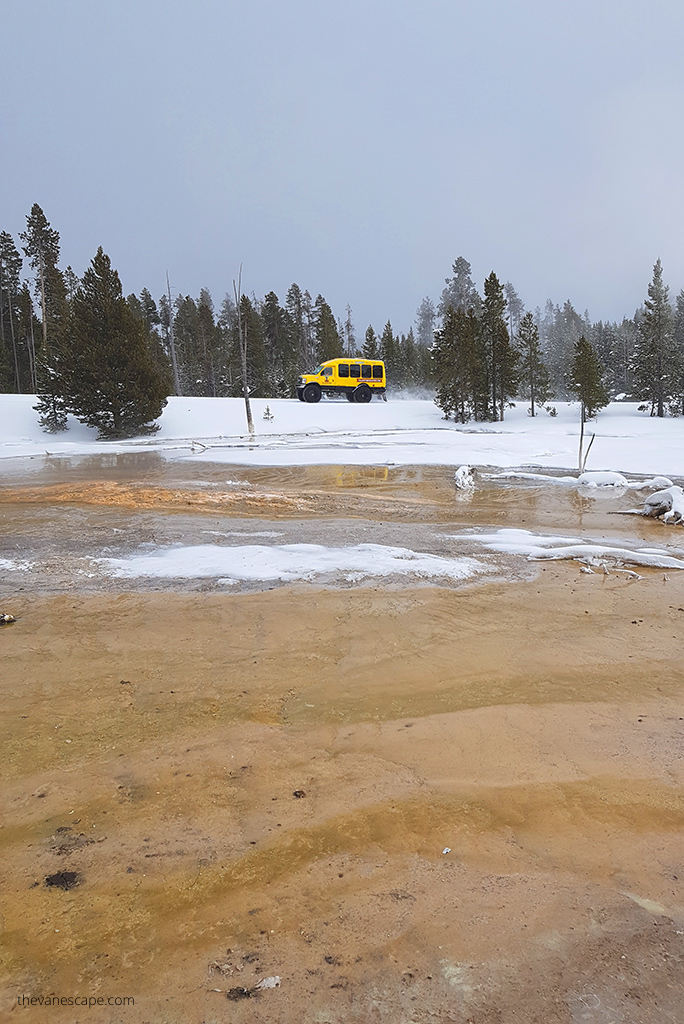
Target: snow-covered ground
<point>289,562</point>
<point>392,433</point>
<point>628,444</point>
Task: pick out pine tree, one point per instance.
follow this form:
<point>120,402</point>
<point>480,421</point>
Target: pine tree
<point>370,349</point>
<point>109,378</point>
<point>409,360</point>
<point>294,306</point>
<point>71,283</point>
<point>678,338</point>
<point>281,347</point>
<point>230,369</point>
<point>614,344</point>
<point>460,292</point>
<point>41,246</point>
<point>349,333</point>
<point>458,367</point>
<point>534,375</point>
<point>145,308</point>
<point>328,343</point>
<point>257,362</point>
<point>516,308</point>
<point>309,325</point>
<point>149,309</point>
<point>500,356</point>
<point>187,346</point>
<point>426,316</point>
<point>28,329</point>
<point>389,353</point>
<point>586,380</point>
<point>560,329</point>
<point>10,268</point>
<point>209,342</point>
<point>655,358</point>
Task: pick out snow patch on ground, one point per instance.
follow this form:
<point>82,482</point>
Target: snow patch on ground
<point>9,566</point>
<point>591,479</point>
<point>410,432</point>
<point>605,479</point>
<point>536,546</point>
<point>289,563</point>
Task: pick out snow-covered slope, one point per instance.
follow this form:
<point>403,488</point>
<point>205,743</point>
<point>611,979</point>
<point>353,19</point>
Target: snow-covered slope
<point>395,432</point>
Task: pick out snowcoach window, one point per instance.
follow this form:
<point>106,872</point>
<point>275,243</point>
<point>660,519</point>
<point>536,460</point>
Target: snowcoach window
<point>354,370</point>
<point>377,372</point>
<point>327,372</point>
<point>343,369</point>
<point>365,370</point>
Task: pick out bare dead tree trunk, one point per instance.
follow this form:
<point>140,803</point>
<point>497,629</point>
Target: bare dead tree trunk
<point>2,330</point>
<point>242,336</point>
<point>172,342</point>
<point>14,343</point>
<point>32,350</point>
<point>41,270</point>
<point>582,461</point>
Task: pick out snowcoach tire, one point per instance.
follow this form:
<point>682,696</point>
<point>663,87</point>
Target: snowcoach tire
<point>312,393</point>
<point>363,395</point>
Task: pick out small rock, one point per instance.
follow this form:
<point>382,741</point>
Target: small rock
<point>5,619</point>
<point>272,982</point>
<point>63,880</point>
<point>239,993</point>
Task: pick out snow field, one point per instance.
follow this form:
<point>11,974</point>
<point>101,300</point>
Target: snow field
<point>410,432</point>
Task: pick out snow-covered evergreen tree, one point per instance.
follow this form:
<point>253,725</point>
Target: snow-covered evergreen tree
<point>371,348</point>
<point>534,376</point>
<point>501,357</point>
<point>655,364</point>
<point>586,379</point>
<point>459,367</point>
<point>108,377</point>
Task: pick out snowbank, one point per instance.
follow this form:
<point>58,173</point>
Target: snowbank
<point>538,546</point>
<point>395,432</point>
<point>288,563</point>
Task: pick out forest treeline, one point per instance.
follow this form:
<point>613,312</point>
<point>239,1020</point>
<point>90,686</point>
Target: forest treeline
<point>82,345</point>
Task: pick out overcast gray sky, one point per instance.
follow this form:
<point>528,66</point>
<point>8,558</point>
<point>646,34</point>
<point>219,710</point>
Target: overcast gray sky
<point>354,147</point>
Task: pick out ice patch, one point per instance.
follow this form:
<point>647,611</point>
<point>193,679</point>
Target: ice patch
<point>242,533</point>
<point>536,546</point>
<point>593,478</point>
<point>9,566</point>
<point>533,477</point>
<point>289,562</point>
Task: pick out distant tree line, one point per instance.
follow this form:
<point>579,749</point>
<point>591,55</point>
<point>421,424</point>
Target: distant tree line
<point>111,360</point>
<point>488,350</point>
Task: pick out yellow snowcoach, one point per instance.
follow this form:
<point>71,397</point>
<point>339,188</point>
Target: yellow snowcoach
<point>358,379</point>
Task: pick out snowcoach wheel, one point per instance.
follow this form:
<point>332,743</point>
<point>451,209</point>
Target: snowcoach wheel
<point>363,394</point>
<point>300,396</point>
<point>350,396</point>
<point>312,393</point>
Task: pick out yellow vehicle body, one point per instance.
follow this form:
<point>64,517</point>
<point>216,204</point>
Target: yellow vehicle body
<point>357,379</point>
